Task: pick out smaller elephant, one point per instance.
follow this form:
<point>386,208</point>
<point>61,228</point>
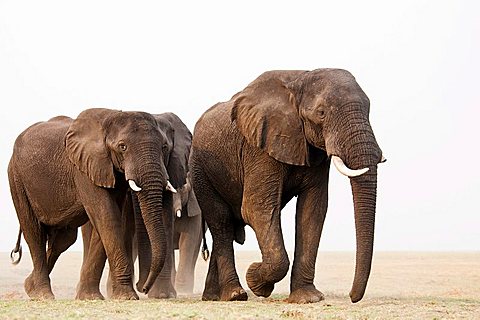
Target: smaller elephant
<point>187,230</point>
<point>187,235</point>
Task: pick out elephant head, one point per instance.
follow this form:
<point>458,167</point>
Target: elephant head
<point>184,201</point>
<point>294,115</point>
<point>175,159</point>
<point>107,144</point>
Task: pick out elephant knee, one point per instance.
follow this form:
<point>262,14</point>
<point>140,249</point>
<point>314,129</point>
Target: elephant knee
<point>276,268</point>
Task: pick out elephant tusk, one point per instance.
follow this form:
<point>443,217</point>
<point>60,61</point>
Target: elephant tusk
<point>169,187</point>
<point>383,159</point>
<point>179,213</point>
<point>343,169</point>
<point>134,186</point>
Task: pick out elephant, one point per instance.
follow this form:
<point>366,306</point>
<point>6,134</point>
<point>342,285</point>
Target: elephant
<point>186,233</point>
<point>65,172</point>
<point>272,141</point>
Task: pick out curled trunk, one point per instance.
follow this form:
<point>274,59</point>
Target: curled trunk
<point>143,245</point>
<point>151,206</point>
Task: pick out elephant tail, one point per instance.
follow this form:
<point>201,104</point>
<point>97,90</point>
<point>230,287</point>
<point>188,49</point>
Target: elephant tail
<point>17,249</point>
<point>205,251</point>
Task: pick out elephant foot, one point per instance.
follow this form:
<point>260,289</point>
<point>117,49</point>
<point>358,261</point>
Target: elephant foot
<point>234,294</point>
<point>92,295</point>
<point>88,291</point>
<point>211,293</point>
<point>307,294</point>
<point>184,287</point>
<point>184,290</point>
<point>206,296</point>
<point>162,293</point>
<point>124,293</point>
<point>256,283</point>
<point>38,291</point>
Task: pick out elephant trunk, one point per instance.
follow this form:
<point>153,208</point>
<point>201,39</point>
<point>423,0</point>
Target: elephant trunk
<point>150,201</point>
<point>359,150</point>
<point>364,189</point>
<point>362,151</point>
<point>143,245</point>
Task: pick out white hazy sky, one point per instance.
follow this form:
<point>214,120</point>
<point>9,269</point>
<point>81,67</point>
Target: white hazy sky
<point>414,59</point>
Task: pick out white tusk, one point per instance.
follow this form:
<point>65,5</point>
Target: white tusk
<point>383,159</point>
<point>179,213</point>
<point>169,187</point>
<point>343,169</point>
<point>134,186</point>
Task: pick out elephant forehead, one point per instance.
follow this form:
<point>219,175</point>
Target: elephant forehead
<point>131,122</point>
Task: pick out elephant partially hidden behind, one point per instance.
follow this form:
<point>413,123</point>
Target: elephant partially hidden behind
<point>64,172</point>
<point>187,228</point>
<point>187,235</point>
<point>272,141</point>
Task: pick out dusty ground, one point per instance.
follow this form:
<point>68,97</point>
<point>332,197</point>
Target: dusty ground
<point>402,285</point>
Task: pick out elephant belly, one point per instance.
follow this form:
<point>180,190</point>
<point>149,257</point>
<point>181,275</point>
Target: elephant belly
<point>56,205</point>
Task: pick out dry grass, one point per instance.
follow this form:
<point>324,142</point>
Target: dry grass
<point>402,286</point>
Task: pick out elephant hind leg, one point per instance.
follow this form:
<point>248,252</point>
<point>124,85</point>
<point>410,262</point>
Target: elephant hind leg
<point>222,281</point>
<point>37,284</point>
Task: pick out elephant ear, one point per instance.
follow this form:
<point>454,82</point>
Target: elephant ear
<point>266,115</point>
<point>193,209</point>
<point>181,139</point>
<point>86,149</point>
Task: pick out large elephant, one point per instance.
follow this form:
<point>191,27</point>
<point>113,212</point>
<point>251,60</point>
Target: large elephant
<point>186,227</point>
<point>272,141</point>
<point>64,172</point>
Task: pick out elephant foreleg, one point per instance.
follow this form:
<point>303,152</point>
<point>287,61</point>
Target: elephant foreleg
<point>261,210</point>
<point>105,215</point>
<point>310,216</point>
<point>128,229</point>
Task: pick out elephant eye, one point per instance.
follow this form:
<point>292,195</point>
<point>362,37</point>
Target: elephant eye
<point>321,113</point>
<point>165,148</point>
<point>122,146</point>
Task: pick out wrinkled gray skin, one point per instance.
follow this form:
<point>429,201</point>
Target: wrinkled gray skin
<point>177,154</point>
<point>273,141</point>
<point>64,172</point>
